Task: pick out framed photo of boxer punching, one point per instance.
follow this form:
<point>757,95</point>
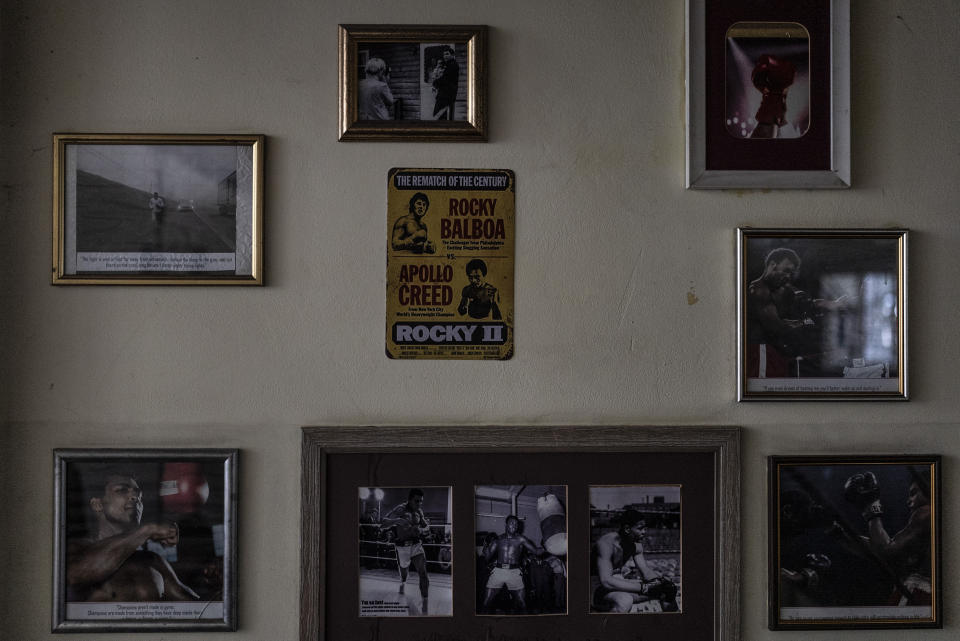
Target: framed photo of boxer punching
<point>145,540</point>
<point>520,532</point>
<point>822,314</point>
<point>768,94</point>
<point>854,542</point>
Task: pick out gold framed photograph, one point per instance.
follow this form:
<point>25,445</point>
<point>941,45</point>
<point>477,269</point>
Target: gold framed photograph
<point>157,209</point>
<point>413,83</point>
<point>854,542</point>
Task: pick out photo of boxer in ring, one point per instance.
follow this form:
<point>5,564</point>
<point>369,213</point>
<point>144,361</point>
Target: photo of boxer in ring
<point>635,561</point>
<point>405,551</point>
<point>767,80</point>
<point>141,533</point>
<point>521,538</point>
<point>855,540</point>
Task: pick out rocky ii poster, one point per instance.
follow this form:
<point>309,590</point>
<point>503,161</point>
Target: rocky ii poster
<point>450,249</point>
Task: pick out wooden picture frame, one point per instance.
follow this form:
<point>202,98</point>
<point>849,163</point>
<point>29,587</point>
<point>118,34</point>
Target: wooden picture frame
<point>157,209</point>
<point>822,314</point>
<point>768,94</point>
<point>854,542</point>
<point>170,519</point>
<point>412,83</point>
<point>336,461</point>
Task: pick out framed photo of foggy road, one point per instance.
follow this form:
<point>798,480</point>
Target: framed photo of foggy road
<point>768,94</point>
<point>854,542</point>
<point>157,209</point>
<point>412,83</point>
<point>145,540</point>
<point>822,314</point>
<point>520,532</point>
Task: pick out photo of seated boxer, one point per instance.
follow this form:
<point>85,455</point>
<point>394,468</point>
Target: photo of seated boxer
<point>144,532</point>
<point>415,533</point>
<point>635,549</point>
<point>521,533</point>
<point>836,553</point>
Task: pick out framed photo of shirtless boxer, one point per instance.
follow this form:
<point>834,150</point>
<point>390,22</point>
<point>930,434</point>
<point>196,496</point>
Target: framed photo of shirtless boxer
<point>413,83</point>
<point>635,549</point>
<point>521,538</point>
<point>405,533</point>
<point>507,524</point>
<point>145,540</point>
<point>768,94</point>
<point>854,542</point>
<point>157,209</point>
<point>822,314</point>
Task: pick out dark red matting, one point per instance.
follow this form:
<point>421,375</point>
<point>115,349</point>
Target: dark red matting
<point>577,470</point>
<point>809,152</point>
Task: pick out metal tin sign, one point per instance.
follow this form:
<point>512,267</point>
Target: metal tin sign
<point>450,263</point>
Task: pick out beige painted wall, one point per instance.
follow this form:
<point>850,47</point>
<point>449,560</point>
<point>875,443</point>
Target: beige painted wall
<point>625,281</point>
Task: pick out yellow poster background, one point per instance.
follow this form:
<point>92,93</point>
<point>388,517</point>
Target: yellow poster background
<point>445,227</point>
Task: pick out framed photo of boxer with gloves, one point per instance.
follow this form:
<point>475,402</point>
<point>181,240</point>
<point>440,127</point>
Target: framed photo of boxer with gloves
<point>526,504</point>
<point>822,314</point>
<point>406,551</point>
<point>854,542</point>
<point>768,94</point>
<point>145,540</point>
<point>521,542</point>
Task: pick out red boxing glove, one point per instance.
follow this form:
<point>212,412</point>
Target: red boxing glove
<point>772,76</point>
<point>183,488</point>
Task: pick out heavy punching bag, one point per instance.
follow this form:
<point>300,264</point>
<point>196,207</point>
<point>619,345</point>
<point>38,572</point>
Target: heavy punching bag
<point>553,524</point>
<point>183,488</point>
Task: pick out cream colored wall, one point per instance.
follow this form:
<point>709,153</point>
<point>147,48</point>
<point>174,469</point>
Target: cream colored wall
<point>625,281</point>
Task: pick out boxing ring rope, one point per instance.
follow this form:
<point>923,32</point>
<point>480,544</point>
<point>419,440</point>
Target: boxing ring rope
<point>444,565</point>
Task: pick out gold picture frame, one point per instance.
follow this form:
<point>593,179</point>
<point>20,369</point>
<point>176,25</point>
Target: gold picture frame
<point>854,542</point>
<point>412,83</point>
<point>157,209</point>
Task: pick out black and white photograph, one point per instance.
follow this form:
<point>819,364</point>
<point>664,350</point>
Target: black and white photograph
<point>412,81</point>
<point>768,80</point>
<point>854,542</point>
<point>822,314</point>
<point>162,209</point>
<point>521,542</point>
<point>635,549</point>
<point>145,540</point>
<point>407,82</point>
<point>405,551</point>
